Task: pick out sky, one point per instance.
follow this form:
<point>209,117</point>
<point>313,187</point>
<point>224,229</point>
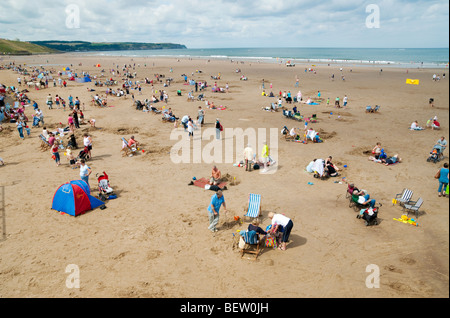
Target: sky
<point>232,23</point>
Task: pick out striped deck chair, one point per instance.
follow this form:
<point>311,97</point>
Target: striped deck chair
<point>128,151</point>
<point>44,143</point>
<point>253,209</point>
<point>252,244</point>
<point>404,197</point>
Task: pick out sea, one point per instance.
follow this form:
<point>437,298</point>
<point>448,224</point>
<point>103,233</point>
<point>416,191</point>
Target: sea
<point>386,57</point>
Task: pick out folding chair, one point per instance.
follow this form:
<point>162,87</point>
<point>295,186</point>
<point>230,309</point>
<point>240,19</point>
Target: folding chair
<point>44,143</point>
<point>254,206</point>
<point>404,197</point>
<point>298,117</point>
<point>128,151</point>
<point>413,206</point>
<point>252,244</point>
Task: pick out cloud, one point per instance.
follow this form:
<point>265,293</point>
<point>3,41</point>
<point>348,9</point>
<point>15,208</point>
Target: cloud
<point>233,23</point>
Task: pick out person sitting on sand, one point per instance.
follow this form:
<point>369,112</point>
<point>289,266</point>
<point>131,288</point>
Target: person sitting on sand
<point>331,168</point>
<point>377,149</point>
<point>415,126</point>
<point>435,124</point>
<point>216,176</point>
<point>309,167</point>
<point>391,160</point>
<point>293,133</point>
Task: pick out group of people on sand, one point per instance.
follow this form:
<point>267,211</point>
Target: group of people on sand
<point>432,123</point>
<point>280,225</point>
<point>380,156</point>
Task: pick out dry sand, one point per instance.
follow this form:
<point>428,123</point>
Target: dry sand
<point>153,240</point>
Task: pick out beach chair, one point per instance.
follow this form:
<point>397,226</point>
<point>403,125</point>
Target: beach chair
<point>253,209</point>
<point>404,197</point>
<point>44,143</point>
<point>413,206</point>
<point>369,109</point>
<point>252,244</point>
<point>298,117</point>
<point>312,119</point>
<point>127,150</point>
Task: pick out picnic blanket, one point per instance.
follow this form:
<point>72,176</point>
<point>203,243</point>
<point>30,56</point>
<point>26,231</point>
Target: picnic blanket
<point>201,183</point>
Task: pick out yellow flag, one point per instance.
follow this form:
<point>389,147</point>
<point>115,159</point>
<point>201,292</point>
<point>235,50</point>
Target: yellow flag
<point>412,81</point>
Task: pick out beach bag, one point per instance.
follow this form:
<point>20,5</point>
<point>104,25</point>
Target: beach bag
<point>241,243</point>
<point>256,166</point>
<point>271,242</point>
<point>221,127</point>
<point>438,175</point>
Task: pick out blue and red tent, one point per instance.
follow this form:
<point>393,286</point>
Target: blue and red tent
<point>74,198</point>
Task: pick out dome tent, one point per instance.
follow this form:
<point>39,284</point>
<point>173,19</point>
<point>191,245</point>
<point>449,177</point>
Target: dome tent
<point>74,198</point>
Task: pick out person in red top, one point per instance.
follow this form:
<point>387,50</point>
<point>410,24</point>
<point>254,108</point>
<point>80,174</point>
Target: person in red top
<point>55,153</point>
<point>436,124</point>
<point>132,142</point>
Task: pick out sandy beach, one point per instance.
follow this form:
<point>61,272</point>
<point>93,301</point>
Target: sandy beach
<point>153,240</point>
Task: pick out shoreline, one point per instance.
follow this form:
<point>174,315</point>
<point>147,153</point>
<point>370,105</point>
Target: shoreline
<point>256,59</point>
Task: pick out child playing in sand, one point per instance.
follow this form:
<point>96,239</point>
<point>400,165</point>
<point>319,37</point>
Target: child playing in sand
<point>82,117</point>
<point>92,122</point>
<point>2,163</point>
<point>71,158</point>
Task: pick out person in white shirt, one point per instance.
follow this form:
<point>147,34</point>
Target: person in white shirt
<point>283,224</point>
<point>415,126</point>
<point>248,157</point>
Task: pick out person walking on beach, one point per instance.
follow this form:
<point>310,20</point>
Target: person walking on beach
<point>265,156</point>
<point>20,125</point>
<point>219,128</point>
<point>201,116</point>
<point>85,171</point>
<point>217,200</point>
<point>87,142</point>
<point>442,177</point>
<point>70,122</point>
<point>75,119</point>
<point>190,125</point>
<point>55,153</point>
<point>248,157</point>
